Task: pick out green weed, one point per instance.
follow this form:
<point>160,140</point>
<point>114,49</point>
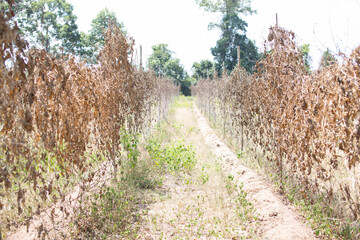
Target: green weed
<point>204,177</point>
<point>113,211</point>
<point>109,214</point>
<point>174,156</point>
<point>245,209</point>
<point>317,212</point>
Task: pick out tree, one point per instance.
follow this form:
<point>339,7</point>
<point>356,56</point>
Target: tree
<point>185,86</point>
<point>159,57</point>
<point>327,59</point>
<point>163,63</point>
<point>227,6</point>
<point>305,49</point>
<point>49,24</point>
<point>233,34</point>
<point>174,70</point>
<point>203,69</point>
<point>225,51</point>
<point>93,42</point>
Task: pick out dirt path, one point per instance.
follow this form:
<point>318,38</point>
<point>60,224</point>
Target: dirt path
<point>220,199</point>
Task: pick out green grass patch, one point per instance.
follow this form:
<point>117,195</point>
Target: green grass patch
<point>182,101</point>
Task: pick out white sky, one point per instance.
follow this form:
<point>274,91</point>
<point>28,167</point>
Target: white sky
<point>181,24</point>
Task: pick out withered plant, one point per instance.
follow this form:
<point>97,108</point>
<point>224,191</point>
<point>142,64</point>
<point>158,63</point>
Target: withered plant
<point>307,125</point>
<point>62,121</point>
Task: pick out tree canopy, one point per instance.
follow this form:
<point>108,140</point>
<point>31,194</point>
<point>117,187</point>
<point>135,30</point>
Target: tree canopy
<point>49,24</point>
<point>159,57</point>
<point>203,69</point>
<point>93,42</point>
<point>327,58</point>
<point>233,34</point>
<point>305,50</point>
<point>226,6</point>
<point>174,70</point>
<point>164,64</point>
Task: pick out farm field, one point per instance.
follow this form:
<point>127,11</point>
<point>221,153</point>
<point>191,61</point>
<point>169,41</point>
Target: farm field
<point>97,143</point>
<point>208,194</point>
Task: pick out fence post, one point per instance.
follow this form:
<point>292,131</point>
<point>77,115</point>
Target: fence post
<point>242,127</point>
<point>214,111</point>
<point>141,57</point>
<point>159,116</point>
<point>278,147</point>
<point>209,110</point>
<point>242,137</point>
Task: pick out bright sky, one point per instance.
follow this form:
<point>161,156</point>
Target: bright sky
<point>332,24</point>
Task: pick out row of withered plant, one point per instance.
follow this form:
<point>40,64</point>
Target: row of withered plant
<point>307,125</point>
<point>61,120</point>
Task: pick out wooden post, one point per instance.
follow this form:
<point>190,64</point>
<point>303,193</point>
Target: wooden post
<point>141,57</point>
<point>214,114</point>
<point>277,26</point>
<point>159,116</point>
<point>242,138</point>
<point>224,127</point>
<point>276,145</point>
<point>209,110</point>
<point>238,55</point>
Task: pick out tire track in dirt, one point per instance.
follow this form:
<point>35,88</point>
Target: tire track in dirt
<point>277,220</point>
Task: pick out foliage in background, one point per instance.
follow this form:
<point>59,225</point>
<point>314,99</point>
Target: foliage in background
<point>203,69</point>
<point>305,49</point>
<point>49,24</point>
<point>226,6</point>
<point>93,42</point>
<point>174,70</point>
<point>159,57</point>
<point>164,64</point>
<point>233,34</point>
<point>327,59</point>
